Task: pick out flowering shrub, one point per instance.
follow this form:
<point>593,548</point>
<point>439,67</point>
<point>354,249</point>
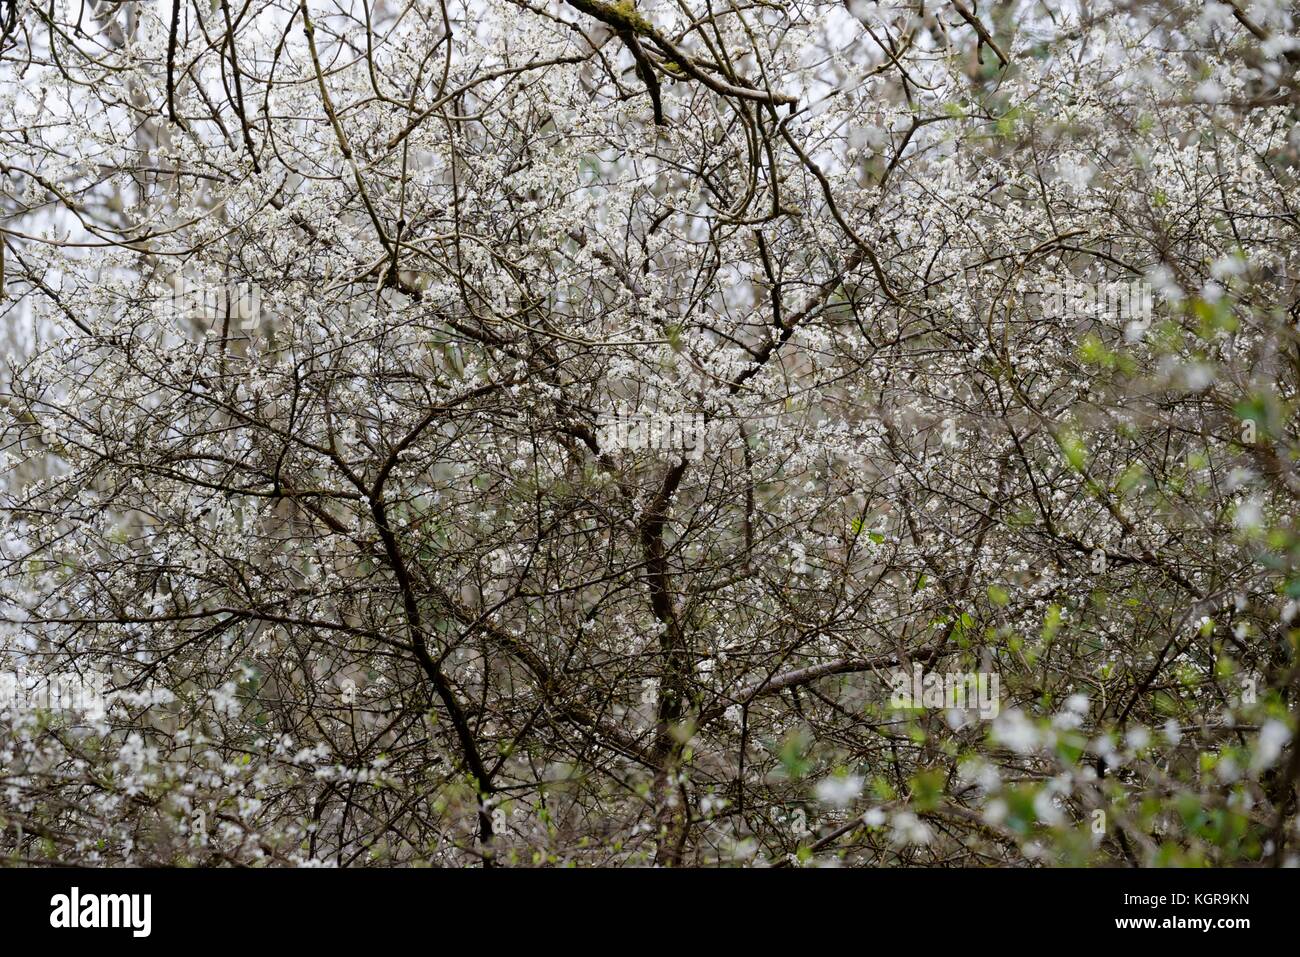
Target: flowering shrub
<point>373,583</point>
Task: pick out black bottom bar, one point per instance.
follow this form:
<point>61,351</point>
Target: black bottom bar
<point>363,908</point>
